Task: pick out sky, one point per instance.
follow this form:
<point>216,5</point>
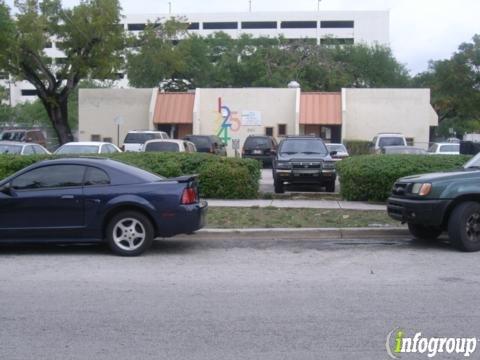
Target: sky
<point>420,30</point>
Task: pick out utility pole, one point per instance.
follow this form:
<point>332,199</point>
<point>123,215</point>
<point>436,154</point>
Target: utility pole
<point>169,7</point>
<point>250,5</point>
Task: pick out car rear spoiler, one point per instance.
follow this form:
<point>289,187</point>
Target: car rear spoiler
<point>184,178</point>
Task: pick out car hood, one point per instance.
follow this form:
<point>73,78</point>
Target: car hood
<point>440,176</point>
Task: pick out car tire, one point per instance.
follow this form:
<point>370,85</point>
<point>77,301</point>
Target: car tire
<point>423,232</point>
<point>330,186</point>
<point>129,233</point>
<point>464,226</point>
<point>278,186</point>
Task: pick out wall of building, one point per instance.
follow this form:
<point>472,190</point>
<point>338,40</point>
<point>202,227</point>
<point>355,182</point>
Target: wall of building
<point>98,109</point>
<point>250,112</point>
<point>367,112</point>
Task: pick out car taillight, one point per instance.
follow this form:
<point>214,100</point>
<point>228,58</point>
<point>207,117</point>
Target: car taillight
<point>189,196</point>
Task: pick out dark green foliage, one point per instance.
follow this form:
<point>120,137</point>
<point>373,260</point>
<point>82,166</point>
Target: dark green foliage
<point>357,147</point>
<point>371,177</point>
<point>219,177</point>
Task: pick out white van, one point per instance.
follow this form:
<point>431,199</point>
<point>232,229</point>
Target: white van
<point>135,139</point>
<point>388,139</point>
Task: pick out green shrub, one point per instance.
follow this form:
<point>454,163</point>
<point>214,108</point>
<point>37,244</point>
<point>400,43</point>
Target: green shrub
<point>219,177</point>
<point>357,147</point>
<point>371,177</point>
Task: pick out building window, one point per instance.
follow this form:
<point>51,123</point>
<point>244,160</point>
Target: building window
<point>29,92</point>
<point>136,27</point>
<point>60,61</point>
<point>259,25</point>
<point>119,76</point>
<point>220,25</point>
<point>107,139</point>
<point>3,76</point>
<point>95,137</point>
<point>48,45</point>
<point>194,26</point>
<point>269,131</point>
<point>303,41</point>
<point>282,129</point>
<point>336,24</point>
<point>298,25</point>
<point>337,41</point>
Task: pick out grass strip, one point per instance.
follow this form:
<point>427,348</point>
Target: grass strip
<point>272,217</point>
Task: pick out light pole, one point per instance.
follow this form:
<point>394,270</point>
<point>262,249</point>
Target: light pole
<point>318,21</point>
<point>250,5</point>
<point>169,7</point>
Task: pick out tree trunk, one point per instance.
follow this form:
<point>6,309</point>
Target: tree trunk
<point>58,113</point>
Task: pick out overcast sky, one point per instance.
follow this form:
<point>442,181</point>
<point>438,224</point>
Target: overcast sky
<point>420,30</point>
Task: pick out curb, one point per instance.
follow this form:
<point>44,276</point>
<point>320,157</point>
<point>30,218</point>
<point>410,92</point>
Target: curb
<point>299,234</point>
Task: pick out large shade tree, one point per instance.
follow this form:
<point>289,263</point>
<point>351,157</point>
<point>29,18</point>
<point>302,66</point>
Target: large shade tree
<point>90,36</point>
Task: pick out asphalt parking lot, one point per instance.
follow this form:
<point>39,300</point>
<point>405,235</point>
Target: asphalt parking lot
<point>233,299</point>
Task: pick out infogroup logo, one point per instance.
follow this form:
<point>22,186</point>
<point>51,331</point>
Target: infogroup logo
<point>397,343</point>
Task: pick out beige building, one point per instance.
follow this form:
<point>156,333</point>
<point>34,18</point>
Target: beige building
<point>233,114</point>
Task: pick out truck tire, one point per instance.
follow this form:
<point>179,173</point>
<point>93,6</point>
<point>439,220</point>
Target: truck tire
<point>278,186</point>
<point>423,232</point>
<point>464,226</point>
<point>330,186</point>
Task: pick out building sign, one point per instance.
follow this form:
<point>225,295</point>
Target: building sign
<point>251,118</point>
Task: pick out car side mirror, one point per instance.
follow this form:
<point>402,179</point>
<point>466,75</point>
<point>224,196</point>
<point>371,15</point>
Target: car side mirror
<point>333,153</point>
<point>6,189</point>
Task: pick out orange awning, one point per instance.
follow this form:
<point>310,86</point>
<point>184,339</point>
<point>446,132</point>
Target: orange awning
<point>174,108</point>
<point>320,108</point>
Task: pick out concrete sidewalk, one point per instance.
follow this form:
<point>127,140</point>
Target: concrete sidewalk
<point>312,204</point>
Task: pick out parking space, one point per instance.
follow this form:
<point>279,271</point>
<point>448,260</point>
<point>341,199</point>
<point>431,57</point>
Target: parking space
<point>266,185</point>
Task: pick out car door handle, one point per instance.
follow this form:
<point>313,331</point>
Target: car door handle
<point>67,197</point>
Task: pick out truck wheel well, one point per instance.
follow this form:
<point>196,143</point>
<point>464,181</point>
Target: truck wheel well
<point>455,203</point>
<point>123,208</point>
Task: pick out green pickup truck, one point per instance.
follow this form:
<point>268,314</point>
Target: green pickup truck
<point>437,202</point>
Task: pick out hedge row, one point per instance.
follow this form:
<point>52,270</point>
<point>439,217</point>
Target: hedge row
<point>219,177</point>
<point>358,147</point>
<point>371,177</point>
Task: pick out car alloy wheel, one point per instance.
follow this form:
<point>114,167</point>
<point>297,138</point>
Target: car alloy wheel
<point>472,227</point>
<point>129,234</point>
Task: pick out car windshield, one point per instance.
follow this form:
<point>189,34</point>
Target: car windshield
<point>305,146</point>
<point>450,148</point>
<point>140,138</point>
<point>200,142</point>
<point>10,149</point>
<point>473,162</point>
<point>162,146</point>
<point>391,141</point>
<point>257,142</point>
<point>404,150</point>
<point>13,135</point>
<point>336,147</point>
<point>78,149</point>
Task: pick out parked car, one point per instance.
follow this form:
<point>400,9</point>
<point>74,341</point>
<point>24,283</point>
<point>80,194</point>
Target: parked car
<point>262,148</point>
<point>447,148</point>
<point>303,160</point>
<point>94,200</point>
<point>388,139</point>
<point>87,147</point>
<point>21,148</point>
<point>170,145</point>
<point>24,135</point>
<point>340,149</point>
<point>208,143</point>
<point>135,139</point>
<point>395,150</point>
<point>433,203</point>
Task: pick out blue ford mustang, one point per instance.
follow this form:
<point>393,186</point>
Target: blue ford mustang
<point>93,200</point>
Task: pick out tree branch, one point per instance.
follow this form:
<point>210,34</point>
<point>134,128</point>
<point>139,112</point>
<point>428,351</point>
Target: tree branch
<point>43,68</point>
